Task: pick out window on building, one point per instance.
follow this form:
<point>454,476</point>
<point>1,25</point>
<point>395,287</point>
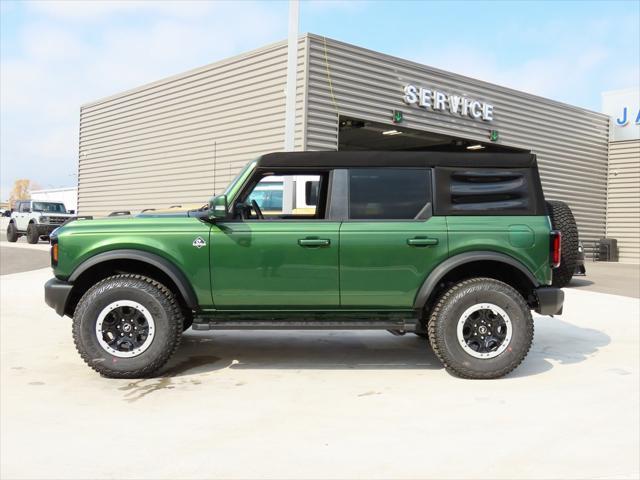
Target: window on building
<point>389,193</point>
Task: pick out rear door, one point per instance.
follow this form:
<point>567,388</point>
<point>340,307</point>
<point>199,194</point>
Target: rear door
<point>390,240</point>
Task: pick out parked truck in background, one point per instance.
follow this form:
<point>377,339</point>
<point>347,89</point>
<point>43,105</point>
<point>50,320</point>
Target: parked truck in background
<point>36,220</point>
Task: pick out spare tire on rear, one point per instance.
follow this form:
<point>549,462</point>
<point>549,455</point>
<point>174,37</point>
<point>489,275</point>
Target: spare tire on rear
<point>562,219</point>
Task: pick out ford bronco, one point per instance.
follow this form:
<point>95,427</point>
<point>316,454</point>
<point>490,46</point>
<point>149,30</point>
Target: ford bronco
<point>36,219</point>
<point>455,247</point>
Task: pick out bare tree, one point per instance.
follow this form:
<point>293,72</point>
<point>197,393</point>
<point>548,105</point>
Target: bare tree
<point>21,190</point>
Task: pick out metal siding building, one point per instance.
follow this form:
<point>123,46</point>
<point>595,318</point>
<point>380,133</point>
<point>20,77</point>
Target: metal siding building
<point>623,198</point>
<point>178,140</point>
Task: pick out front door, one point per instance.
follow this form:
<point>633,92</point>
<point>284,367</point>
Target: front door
<point>22,219</point>
<point>279,252</point>
<point>390,242</point>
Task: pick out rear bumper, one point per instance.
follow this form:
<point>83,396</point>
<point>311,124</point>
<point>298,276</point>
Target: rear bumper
<point>56,294</point>
<point>550,300</point>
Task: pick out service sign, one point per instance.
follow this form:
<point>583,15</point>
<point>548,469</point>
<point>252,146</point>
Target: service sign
<point>623,106</point>
<point>439,101</point>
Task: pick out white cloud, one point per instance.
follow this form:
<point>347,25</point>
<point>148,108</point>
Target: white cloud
<point>70,53</point>
<point>99,10</point>
<point>567,61</point>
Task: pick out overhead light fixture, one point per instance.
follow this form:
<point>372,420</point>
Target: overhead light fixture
<point>391,132</point>
<point>475,147</point>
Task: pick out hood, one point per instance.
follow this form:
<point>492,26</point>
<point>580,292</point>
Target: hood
<point>152,214</point>
<point>144,223</point>
<point>55,214</point>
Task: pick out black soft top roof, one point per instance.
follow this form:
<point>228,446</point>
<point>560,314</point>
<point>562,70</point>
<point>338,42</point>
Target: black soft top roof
<point>396,159</point>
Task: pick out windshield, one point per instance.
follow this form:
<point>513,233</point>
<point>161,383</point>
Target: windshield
<point>237,182</point>
<point>49,207</point>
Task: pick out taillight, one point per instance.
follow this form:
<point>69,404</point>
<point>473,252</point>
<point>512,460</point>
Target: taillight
<point>556,248</point>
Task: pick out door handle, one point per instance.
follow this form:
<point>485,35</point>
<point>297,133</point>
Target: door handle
<point>421,242</point>
<point>314,242</point>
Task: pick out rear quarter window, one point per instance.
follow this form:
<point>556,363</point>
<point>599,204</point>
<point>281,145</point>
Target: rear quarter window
<point>486,191</point>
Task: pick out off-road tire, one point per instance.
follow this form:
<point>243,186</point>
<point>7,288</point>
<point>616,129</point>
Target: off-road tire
<point>447,311</point>
<point>32,234</point>
<point>12,233</point>
<point>156,298</point>
<point>562,220</point>
<point>188,320</point>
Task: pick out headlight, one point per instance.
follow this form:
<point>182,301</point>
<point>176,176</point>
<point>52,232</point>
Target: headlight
<point>580,248</point>
<point>44,219</point>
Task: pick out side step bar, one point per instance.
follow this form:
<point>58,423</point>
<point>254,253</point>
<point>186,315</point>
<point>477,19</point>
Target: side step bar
<point>407,325</point>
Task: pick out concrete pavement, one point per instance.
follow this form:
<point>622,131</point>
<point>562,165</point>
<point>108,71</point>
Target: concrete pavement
<point>15,259</point>
<point>610,277</point>
<point>321,404</point>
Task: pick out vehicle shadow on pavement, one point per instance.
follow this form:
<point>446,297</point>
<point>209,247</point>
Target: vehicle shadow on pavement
<point>555,342</point>
<point>299,350</point>
<point>558,342</point>
<point>580,282</point>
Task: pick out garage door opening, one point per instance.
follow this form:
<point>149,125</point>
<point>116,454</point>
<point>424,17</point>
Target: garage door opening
<point>357,134</point>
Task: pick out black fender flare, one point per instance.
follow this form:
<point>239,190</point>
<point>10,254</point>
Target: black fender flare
<point>450,263</point>
<point>161,263</point>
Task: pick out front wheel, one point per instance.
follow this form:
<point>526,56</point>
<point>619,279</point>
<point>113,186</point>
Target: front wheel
<point>127,326</point>
<point>481,328</point>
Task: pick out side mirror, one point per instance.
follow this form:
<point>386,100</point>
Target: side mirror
<point>72,212</point>
<point>218,207</point>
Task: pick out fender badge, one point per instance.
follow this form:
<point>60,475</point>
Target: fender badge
<point>199,242</point>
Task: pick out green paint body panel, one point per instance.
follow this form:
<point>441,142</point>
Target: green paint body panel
<point>255,265</point>
<point>261,264</point>
<point>170,237</point>
<point>378,266</point>
<point>525,238</point>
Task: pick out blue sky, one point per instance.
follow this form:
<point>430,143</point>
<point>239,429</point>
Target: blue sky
<point>55,56</point>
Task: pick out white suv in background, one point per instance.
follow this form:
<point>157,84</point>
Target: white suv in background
<point>37,219</point>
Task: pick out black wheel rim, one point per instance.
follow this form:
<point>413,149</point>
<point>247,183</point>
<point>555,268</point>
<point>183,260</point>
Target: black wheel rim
<point>125,329</point>
<point>484,330</point>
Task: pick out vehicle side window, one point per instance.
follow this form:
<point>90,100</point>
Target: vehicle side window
<point>24,207</point>
<point>388,193</point>
<point>288,196</point>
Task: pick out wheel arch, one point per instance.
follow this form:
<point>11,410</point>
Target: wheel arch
<point>141,262</point>
<point>488,264</point>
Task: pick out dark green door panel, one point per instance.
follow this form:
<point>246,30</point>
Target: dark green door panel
<point>275,264</point>
<point>383,263</point>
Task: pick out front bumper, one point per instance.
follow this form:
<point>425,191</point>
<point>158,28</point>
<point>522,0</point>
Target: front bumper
<point>46,229</point>
<point>550,300</point>
<point>56,294</point>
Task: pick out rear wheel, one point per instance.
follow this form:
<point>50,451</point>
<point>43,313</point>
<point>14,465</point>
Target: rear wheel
<point>481,328</point>
<point>562,220</point>
<point>12,233</point>
<point>32,234</point>
<point>127,326</point>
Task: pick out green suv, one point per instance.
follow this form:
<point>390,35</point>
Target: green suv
<point>456,247</point>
